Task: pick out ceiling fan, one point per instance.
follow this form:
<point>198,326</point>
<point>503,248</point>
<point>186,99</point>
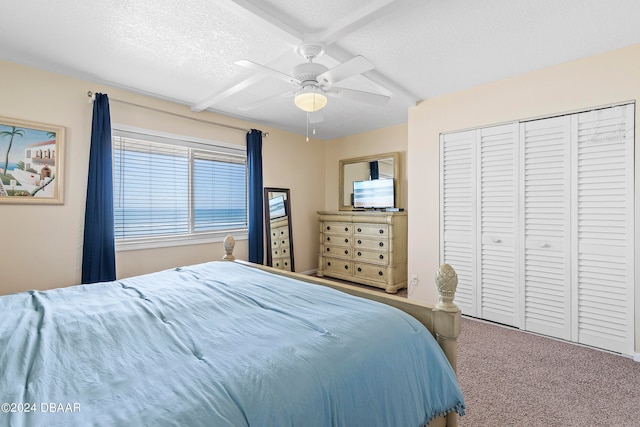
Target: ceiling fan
<point>315,81</point>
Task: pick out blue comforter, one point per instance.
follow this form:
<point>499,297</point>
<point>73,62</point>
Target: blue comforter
<point>216,344</point>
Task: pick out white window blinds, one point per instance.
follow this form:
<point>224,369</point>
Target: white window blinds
<point>165,188</point>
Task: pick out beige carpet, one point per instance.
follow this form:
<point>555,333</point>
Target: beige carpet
<point>513,378</point>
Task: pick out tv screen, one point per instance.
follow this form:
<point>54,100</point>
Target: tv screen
<point>376,193</point>
<point>276,207</point>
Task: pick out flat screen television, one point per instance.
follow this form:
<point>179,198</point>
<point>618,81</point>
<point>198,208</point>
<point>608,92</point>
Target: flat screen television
<point>276,207</point>
<point>373,194</point>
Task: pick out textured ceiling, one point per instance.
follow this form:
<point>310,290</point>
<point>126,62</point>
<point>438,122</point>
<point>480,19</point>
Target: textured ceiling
<point>185,51</point>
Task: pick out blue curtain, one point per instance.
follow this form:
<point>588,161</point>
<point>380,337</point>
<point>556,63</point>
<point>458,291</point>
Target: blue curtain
<point>256,225</point>
<point>374,170</point>
<point>98,251</point>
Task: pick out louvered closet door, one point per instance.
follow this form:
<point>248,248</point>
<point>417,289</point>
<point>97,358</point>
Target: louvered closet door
<point>603,223</point>
<point>498,195</point>
<point>457,215</point>
<point>545,186</point>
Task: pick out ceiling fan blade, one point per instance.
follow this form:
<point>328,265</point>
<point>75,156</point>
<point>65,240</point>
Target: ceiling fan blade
<point>356,65</point>
<point>358,95</point>
<point>315,117</point>
<point>263,68</point>
<point>265,101</point>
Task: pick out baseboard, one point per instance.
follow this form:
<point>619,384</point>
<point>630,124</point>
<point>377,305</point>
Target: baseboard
<point>636,357</point>
<point>310,272</point>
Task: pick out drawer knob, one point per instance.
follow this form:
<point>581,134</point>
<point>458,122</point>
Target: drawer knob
<point>381,244</point>
<point>328,227</point>
<point>381,231</point>
<point>346,240</point>
<point>359,253</point>
<point>346,252</point>
<point>329,263</point>
<point>359,270</point>
<point>328,238</point>
<point>359,230</point>
<point>346,229</point>
<point>359,242</point>
<point>380,273</point>
<point>328,249</point>
<point>381,256</point>
<point>346,267</point>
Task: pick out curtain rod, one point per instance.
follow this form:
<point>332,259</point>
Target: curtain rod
<point>157,110</point>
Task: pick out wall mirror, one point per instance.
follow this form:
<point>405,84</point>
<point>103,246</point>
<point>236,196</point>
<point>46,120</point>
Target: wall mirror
<point>365,168</point>
<point>277,219</point>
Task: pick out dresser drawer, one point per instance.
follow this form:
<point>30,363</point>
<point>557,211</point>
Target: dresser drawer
<point>337,251</point>
<point>380,257</point>
<point>279,243</point>
<point>381,244</point>
<point>337,239</point>
<point>280,233</point>
<point>376,273</point>
<point>340,228</point>
<point>284,249</point>
<point>371,229</point>
<point>282,263</point>
<point>338,266</point>
<point>276,253</point>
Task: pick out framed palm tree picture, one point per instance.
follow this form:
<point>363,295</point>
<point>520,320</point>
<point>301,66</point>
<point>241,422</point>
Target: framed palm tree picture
<point>31,162</point>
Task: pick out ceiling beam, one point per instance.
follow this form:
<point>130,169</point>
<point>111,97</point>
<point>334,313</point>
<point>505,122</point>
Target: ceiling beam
<point>263,19</point>
<point>353,22</point>
<point>393,88</point>
<point>219,96</point>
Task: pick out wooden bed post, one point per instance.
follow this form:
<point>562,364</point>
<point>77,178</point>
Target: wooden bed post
<point>447,315</point>
<point>447,319</point>
<point>229,244</point>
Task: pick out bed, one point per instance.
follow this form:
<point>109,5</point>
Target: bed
<point>225,344</point>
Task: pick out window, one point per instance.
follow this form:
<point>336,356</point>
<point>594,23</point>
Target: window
<point>170,191</point>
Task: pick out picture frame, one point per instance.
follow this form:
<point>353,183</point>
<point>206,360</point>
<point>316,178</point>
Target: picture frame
<point>31,162</point>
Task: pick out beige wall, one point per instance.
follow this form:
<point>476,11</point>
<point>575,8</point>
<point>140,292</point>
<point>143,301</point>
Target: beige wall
<point>600,80</point>
<point>386,140</point>
<point>42,245</point>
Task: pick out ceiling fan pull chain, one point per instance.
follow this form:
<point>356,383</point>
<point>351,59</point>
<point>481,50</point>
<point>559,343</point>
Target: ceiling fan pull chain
<point>307,127</point>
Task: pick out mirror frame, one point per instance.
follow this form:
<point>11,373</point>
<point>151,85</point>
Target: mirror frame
<point>267,223</point>
<point>396,175</point>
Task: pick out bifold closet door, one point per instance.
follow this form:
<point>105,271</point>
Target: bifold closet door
<point>603,226</point>
<point>498,207</point>
<point>545,217</point>
<point>479,205</point>
<point>458,214</point>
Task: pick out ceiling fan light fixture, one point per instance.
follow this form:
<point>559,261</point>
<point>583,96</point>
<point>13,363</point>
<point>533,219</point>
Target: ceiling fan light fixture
<point>309,99</point>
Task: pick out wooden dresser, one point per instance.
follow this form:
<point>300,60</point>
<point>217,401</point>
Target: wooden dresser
<point>364,247</point>
<point>280,257</point>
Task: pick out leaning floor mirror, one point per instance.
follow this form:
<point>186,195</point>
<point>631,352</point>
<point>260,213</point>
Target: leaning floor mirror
<point>277,215</point>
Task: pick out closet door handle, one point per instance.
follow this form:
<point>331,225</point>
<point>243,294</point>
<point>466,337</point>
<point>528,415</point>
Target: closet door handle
<point>544,245</point>
<point>497,240</point>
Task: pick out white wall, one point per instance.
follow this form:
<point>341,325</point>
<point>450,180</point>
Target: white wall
<point>42,245</point>
<point>600,80</point>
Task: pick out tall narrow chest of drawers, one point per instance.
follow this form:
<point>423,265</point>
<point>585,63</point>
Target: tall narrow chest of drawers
<point>364,247</point>
<point>280,257</point>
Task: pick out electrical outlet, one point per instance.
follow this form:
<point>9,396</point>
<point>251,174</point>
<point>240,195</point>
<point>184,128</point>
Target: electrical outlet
<point>413,280</point>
